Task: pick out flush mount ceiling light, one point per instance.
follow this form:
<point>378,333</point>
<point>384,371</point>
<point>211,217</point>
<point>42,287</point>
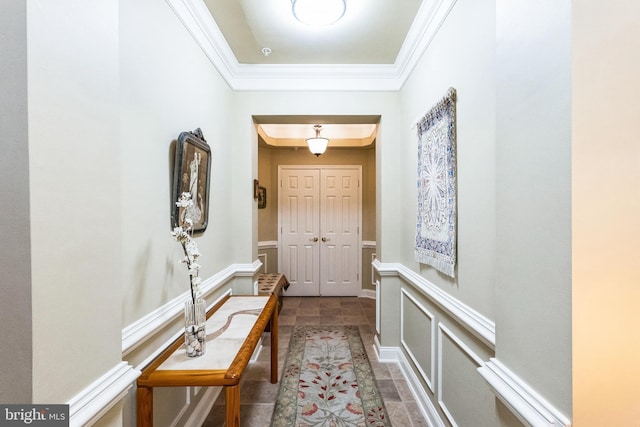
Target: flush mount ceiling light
<point>318,12</point>
<point>317,145</point>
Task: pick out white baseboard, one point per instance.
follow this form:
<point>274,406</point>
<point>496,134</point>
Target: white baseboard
<point>385,354</point>
<point>103,394</point>
<point>368,293</point>
<point>394,354</point>
<point>527,405</point>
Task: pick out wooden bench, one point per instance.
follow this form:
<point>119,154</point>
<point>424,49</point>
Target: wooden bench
<point>273,284</point>
<point>234,327</point>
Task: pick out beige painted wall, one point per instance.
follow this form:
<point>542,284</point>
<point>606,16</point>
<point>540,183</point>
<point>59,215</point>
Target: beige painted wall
<point>469,28</point>
<point>106,100</point>
<point>75,197</point>
<point>164,92</point>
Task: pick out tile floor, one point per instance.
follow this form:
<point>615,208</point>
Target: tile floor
<point>258,395</point>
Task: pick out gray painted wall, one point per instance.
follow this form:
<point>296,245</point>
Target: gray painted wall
<point>533,195</point>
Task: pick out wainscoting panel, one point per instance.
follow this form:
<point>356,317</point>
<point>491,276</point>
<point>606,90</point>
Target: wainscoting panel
<point>268,255</point>
<point>417,336</point>
<point>463,395</point>
<point>263,257</point>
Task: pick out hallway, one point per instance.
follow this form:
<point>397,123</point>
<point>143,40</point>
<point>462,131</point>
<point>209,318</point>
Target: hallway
<point>258,395</point>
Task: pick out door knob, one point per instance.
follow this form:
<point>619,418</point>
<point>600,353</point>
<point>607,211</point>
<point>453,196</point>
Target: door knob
<point>324,239</point>
<point>315,239</point>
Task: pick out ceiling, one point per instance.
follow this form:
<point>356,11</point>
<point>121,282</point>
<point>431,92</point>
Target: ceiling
<point>370,32</point>
<point>374,45</point>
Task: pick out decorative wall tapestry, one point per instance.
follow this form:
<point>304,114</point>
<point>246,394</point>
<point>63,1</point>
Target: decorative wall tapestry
<point>436,222</point>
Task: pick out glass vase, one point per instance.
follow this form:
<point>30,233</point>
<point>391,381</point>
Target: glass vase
<point>194,327</point>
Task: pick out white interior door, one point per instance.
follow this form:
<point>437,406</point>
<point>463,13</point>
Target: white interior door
<point>319,215</point>
<point>339,232</point>
<point>299,213</point>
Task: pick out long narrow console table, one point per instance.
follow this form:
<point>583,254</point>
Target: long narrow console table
<point>234,327</point>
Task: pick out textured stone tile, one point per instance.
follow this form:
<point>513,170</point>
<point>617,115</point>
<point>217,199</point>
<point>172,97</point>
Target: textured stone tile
<point>327,302</point>
<point>215,417</point>
<point>291,301</point>
<point>285,321</point>
<point>308,311</point>
<point>380,370</point>
<point>284,330</point>
<point>330,311</point>
<point>403,390</point>
<point>258,392</point>
<point>355,320</point>
<point>289,311</point>
<point>388,391</point>
<point>307,320</point>
<point>395,371</point>
<point>413,411</point>
<point>257,415</point>
<point>308,302</point>
<point>260,370</point>
<point>331,320</point>
<point>397,413</point>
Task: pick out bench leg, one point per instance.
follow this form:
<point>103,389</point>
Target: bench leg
<point>274,345</point>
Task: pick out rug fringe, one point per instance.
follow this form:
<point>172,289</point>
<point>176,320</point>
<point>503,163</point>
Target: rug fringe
<point>440,265</point>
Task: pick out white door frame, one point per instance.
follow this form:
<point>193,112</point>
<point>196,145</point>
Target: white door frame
<point>358,168</point>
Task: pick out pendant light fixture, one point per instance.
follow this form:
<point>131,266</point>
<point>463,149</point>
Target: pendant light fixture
<point>318,12</point>
<point>317,145</point>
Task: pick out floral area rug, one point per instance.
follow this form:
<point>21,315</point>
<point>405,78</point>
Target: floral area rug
<point>328,381</point>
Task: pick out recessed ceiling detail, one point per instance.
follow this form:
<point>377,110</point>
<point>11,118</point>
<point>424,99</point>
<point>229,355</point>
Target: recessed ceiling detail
<point>374,47</point>
<point>295,135</point>
<point>370,32</point>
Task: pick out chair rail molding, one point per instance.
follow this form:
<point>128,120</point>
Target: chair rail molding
<point>527,405</point>
<point>268,244</point>
<point>137,333</point>
<point>480,326</point>
<point>95,400</point>
<point>369,244</point>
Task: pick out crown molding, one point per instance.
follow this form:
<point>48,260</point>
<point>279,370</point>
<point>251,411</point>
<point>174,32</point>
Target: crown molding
<point>196,18</point>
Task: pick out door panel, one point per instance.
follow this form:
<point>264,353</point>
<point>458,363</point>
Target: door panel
<point>339,229</point>
<point>320,215</point>
<point>299,223</point>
